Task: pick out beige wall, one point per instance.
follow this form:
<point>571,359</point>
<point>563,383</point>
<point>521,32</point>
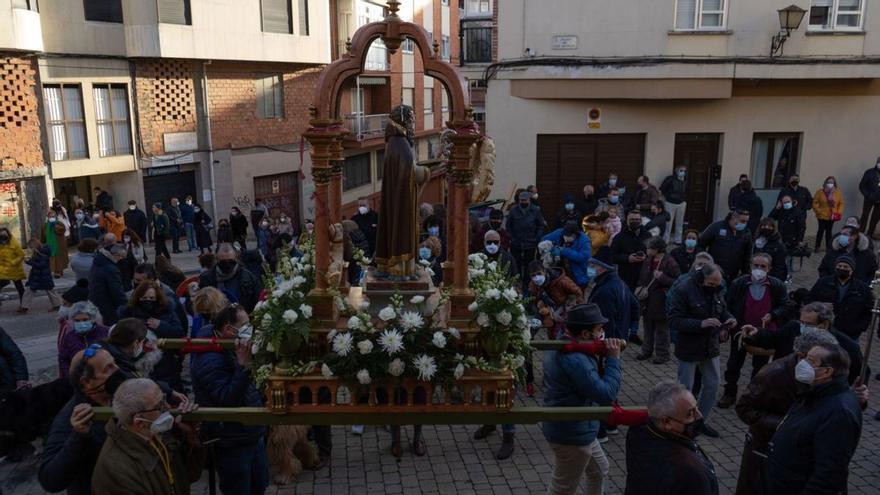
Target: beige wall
<point>65,30</point>
<point>236,171</point>
<point>19,28</point>
<point>836,133</point>
<point>639,27</point>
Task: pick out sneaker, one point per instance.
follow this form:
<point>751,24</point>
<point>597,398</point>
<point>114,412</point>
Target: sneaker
<point>602,437</point>
<point>726,401</point>
<point>611,430</point>
<point>530,389</point>
<point>635,339</point>
<point>710,432</point>
<point>357,429</point>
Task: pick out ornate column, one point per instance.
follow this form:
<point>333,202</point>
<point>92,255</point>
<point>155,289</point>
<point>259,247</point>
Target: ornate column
<point>466,135</point>
<point>336,162</point>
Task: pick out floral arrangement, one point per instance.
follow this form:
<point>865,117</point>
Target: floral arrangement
<point>501,316</point>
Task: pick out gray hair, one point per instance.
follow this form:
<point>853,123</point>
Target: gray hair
<point>763,255</point>
<point>226,248</point>
<point>812,337</point>
<point>705,257</point>
<point>661,400</point>
<point>131,398</point>
<point>85,308</point>
<point>824,312</point>
<point>117,250</point>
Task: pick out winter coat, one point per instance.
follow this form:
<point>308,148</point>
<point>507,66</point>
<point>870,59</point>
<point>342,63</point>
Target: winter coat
<point>866,260</point>
<point>68,458</point>
<point>564,216</point>
<point>219,381</point>
<point>201,221</point>
<point>674,190</point>
<point>13,366</point>
<point>739,291</point>
<point>168,368</point>
<point>792,224</point>
<point>617,303</point>
<point>243,286</point>
<point>174,216</point>
<point>368,224</point>
<point>11,260</point>
<point>264,241</point>
<point>81,264</point>
<point>525,226</point>
<point>811,450</point>
<point>128,465</point>
<point>766,400</point>
<point>239,226</point>
<point>89,231</point>
<point>106,290</point>
<point>506,260</point>
<point>598,237</point>
<point>656,226</point>
<point>625,243</point>
<point>729,248</point>
<point>690,305</point>
<point>557,290</point>
<point>224,234</point>
<point>112,224</point>
<point>187,214</point>
<point>778,255</point>
<point>161,226</point>
<point>823,209</point>
<point>733,197</point>
<point>751,202</point>
<point>802,196</point>
<point>574,380</point>
<point>655,305</point>
<point>659,463</point>
<point>587,205</point>
<point>576,257</point>
<point>70,342</point>
<point>684,258</point>
<point>40,276</point>
<point>59,257</point>
<point>852,314</point>
<point>869,186</point>
<point>136,220</point>
<point>647,197</point>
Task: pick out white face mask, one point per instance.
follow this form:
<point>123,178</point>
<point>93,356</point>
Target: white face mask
<point>758,275</point>
<point>804,372</point>
<point>539,280</point>
<point>132,207</point>
<point>362,210</point>
<point>491,248</point>
<point>126,239</point>
<point>760,242</point>
<point>163,423</point>
<point>189,202</point>
<point>829,185</point>
<point>246,332</point>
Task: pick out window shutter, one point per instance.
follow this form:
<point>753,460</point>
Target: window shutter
<point>103,10</point>
<point>276,16</point>
<point>822,3</point>
<point>174,12</point>
<point>277,97</point>
<point>303,7</point>
<point>685,14</point>
<point>261,97</point>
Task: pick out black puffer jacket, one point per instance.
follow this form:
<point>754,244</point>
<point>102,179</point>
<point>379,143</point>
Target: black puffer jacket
<point>526,225</point>
<point>862,252</point>
<point>685,259</point>
<point>625,243</point>
<point>792,225</point>
<point>750,201</point>
<point>690,304</point>
<point>658,463</point>
<point>777,251</point>
<point>106,290</point>
<point>739,290</point>
<point>852,314</point>
<point>869,186</point>
<point>729,248</point>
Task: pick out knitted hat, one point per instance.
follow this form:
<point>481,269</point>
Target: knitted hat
<point>77,293</point>
<point>845,258</point>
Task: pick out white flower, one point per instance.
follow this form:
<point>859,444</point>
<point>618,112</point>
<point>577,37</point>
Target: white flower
<point>476,259</point>
<point>454,332</point>
<point>391,341</point>
<point>326,371</point>
<point>289,316</point>
<point>331,334</point>
<point>365,346</point>
<point>410,320</point>
<point>472,273</point>
<point>354,323</point>
<point>363,377</point>
<point>304,259</point>
<point>527,336</point>
<point>510,294</point>
<point>396,367</point>
<point>426,366</point>
<point>306,310</point>
<point>518,362</point>
<point>260,305</point>
<point>483,320</point>
<point>417,300</point>
<point>270,347</point>
<point>504,317</point>
<point>387,313</point>
<point>491,266</point>
<point>425,263</point>
<point>439,340</point>
<point>459,371</point>
<point>267,320</point>
<point>365,305</point>
<point>493,294</point>
<point>342,344</point>
<point>277,293</point>
<point>473,306</point>
<point>297,281</point>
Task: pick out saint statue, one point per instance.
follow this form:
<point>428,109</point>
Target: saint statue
<point>398,232</point>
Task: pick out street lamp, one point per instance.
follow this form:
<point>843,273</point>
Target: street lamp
<point>789,20</point>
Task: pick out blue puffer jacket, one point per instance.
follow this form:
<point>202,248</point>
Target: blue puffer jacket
<point>617,303</point>
<point>219,381</point>
<point>106,290</point>
<point>578,255</point>
<point>573,380</point>
<point>40,276</point>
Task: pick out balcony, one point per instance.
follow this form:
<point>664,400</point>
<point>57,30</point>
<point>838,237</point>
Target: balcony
<point>366,127</point>
<point>476,41</point>
<point>20,27</point>
<point>377,57</point>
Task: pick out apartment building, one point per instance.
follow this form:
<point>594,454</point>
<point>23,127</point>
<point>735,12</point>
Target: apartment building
<point>585,89</point>
<point>479,48</point>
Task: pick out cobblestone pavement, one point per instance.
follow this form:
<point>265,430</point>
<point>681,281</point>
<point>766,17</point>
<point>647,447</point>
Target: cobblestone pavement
<point>457,464</point>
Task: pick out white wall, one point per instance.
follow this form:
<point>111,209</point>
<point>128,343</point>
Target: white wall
<point>19,28</point>
<point>66,30</point>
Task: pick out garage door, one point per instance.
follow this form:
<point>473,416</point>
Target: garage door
<point>567,162</point>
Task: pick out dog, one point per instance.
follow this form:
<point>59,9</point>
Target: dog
<point>289,451</point>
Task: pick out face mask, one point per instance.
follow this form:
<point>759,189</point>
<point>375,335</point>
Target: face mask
<point>362,210</point>
<point>148,306</point>
<point>807,328</point>
<point>139,350</point>
<point>491,248</point>
<point>111,384</point>
<point>794,184</point>
<point>197,210</point>
<point>425,253</point>
<point>843,240</point>
<point>758,275</point>
<point>711,290</point>
<point>246,332</point>
<point>79,216</point>
<point>434,231</point>
<point>591,272</point>
<point>740,227</point>
<point>693,430</point>
<point>622,190</point>
<point>634,225</point>
<point>524,205</point>
<point>787,206</point>
<point>189,202</point>
<point>690,243</point>
<point>535,196</point>
<point>539,280</point>
<point>233,212</point>
<point>804,372</point>
<point>843,274</point>
<point>569,206</point>
<point>52,220</point>
<point>760,242</point>
<point>226,266</point>
<point>614,200</point>
<point>265,225</point>
<point>612,182</point>
<point>681,174</point>
<point>829,185</point>
<point>82,327</point>
<point>163,423</point>
<point>132,207</point>
<point>126,239</point>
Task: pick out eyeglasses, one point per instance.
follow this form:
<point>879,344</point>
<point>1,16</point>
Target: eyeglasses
<point>493,242</point>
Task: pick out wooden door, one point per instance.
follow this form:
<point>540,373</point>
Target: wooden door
<point>280,193</point>
<point>699,153</point>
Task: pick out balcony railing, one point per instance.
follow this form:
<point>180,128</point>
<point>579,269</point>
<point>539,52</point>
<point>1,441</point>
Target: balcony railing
<point>377,57</point>
<point>476,41</point>
<point>364,127</point>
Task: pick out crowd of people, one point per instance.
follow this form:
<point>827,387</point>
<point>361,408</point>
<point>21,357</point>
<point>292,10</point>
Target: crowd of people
<point>617,268</point>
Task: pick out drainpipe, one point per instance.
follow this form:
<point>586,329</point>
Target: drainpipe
<point>210,141</point>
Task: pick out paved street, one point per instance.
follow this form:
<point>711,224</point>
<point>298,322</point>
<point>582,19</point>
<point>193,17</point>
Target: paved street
<point>455,463</point>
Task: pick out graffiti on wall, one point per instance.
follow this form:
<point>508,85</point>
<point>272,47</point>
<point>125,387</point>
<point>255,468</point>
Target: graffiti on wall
<point>243,202</point>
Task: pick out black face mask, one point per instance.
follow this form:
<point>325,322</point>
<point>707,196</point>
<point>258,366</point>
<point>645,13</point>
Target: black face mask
<point>111,384</point>
<point>711,290</point>
<point>693,430</point>
<point>634,225</point>
<point>226,266</point>
<point>495,225</point>
<point>843,274</point>
<point>524,205</point>
<point>794,184</point>
<point>767,232</point>
<point>148,306</point>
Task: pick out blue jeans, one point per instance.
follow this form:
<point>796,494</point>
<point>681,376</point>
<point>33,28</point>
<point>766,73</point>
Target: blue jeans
<point>711,371</point>
<point>190,235</point>
<point>243,470</point>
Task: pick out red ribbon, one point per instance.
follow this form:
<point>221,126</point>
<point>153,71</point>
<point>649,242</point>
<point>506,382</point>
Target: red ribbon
<point>202,348</point>
<point>621,417</point>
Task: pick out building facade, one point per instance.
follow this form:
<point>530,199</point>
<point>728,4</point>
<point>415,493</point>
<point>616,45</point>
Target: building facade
<point>582,90</point>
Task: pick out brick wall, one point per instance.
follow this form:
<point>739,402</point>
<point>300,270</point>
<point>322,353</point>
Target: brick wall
<point>20,146</point>
<point>166,100</point>
<point>233,104</point>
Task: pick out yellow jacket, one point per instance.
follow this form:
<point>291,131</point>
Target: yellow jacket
<point>821,207</point>
<point>11,260</point>
<point>598,237</point>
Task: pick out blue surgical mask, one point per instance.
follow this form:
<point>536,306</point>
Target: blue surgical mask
<point>425,253</point>
<point>787,206</point>
<point>843,240</point>
<point>434,231</point>
<point>612,182</point>
<point>740,227</point>
<point>690,243</point>
<point>591,272</point>
<point>81,327</point>
<point>622,190</point>
<point>614,200</point>
<point>681,174</point>
<point>569,206</point>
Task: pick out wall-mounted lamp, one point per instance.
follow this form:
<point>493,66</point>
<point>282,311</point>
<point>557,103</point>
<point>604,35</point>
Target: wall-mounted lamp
<point>789,20</point>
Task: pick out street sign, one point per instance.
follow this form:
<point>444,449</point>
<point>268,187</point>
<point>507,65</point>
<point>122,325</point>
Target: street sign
<point>565,42</point>
<point>594,119</point>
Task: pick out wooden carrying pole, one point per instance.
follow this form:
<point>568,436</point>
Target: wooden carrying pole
<point>194,344</point>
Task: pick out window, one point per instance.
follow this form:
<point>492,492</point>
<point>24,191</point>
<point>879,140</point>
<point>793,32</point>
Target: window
<point>700,14</point>
<point>478,7</point>
<point>445,52</point>
<point>357,100</point>
<point>276,16</point>
<point>407,96</point>
<point>774,159</point>
<point>434,147</point>
<point>429,100</point>
<point>175,12</point>
<point>408,46</point>
<point>26,5</point>
<point>103,10</point>
<point>303,12</point>
<point>111,114</point>
<point>836,15</point>
<point>270,96</point>
<point>64,121</point>
<point>444,2</point>
<point>444,101</point>
<point>356,171</point>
